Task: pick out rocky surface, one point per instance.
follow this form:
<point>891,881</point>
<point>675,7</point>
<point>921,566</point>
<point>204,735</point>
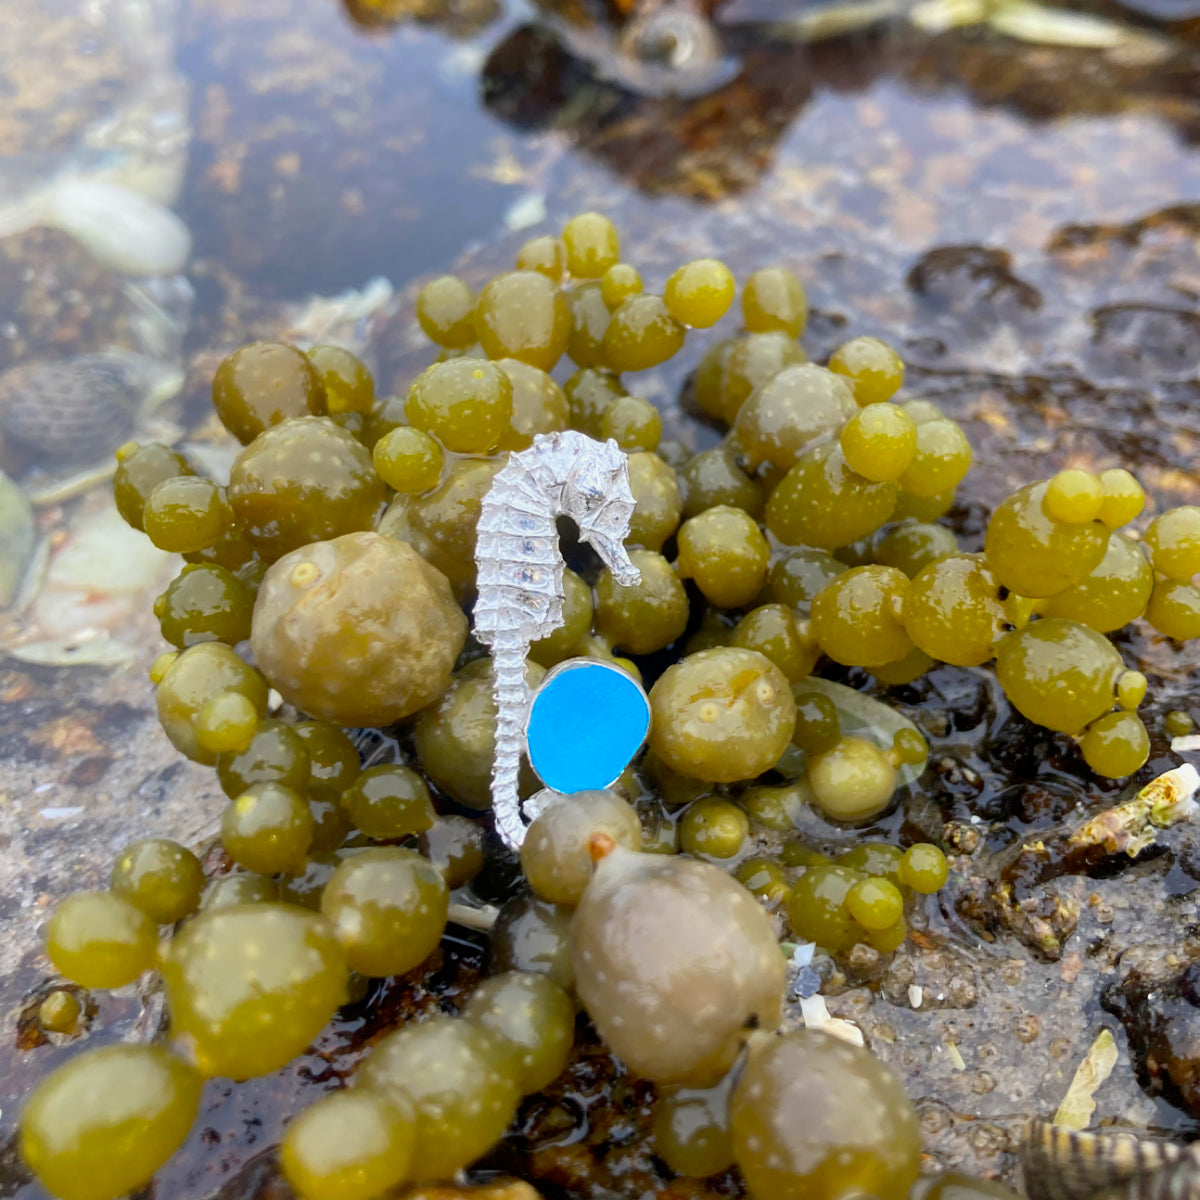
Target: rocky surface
<point>1020,220</point>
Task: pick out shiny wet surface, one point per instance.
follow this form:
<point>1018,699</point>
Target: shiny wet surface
<point>1021,220</point>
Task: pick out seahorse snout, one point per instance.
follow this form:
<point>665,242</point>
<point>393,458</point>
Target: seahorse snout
<point>615,557</point>
<point>627,575</point>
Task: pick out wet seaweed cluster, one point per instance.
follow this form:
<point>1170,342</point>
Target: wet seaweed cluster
<point>326,596</point>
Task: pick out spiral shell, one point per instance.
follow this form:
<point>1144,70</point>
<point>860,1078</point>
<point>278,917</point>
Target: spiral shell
<point>1065,1164</point>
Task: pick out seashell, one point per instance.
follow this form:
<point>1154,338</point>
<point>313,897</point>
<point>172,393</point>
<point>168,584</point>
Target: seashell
<point>673,36</point>
<point>672,50</point>
<point>119,226</point>
<point>81,408</point>
<point>666,48</point>
<point>123,229</point>
<point>1066,1164</point>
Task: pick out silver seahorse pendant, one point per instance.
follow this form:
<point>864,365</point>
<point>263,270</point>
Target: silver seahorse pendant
<point>520,588</point>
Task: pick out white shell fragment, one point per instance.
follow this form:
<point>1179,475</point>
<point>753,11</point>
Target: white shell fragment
<point>1130,827</point>
<point>1171,797</point>
<point>521,573</point>
<point>123,229</point>
<point>802,955</point>
<point>816,1016</point>
<point>96,582</point>
<point>526,211</point>
<point>1038,24</point>
<point>1078,1105</point>
<point>814,1011</point>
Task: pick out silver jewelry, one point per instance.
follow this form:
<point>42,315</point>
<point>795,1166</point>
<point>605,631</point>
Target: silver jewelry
<point>520,588</point>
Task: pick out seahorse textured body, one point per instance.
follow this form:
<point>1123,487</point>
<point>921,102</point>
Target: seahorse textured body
<point>520,567</point>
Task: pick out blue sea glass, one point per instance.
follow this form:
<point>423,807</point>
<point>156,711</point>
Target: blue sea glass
<point>587,720</point>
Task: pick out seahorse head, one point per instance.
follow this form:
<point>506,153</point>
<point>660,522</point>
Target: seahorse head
<point>597,496</point>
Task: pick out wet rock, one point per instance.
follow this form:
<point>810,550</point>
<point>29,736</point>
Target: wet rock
<point>1039,803</point>
<point>1035,887</point>
<point>1187,855</point>
<point>656,142</point>
<point>1138,341</point>
<point>1157,998</point>
<point>1076,237</point>
<point>974,284</point>
<point>528,77</point>
<point>1039,916</point>
<point>928,978</point>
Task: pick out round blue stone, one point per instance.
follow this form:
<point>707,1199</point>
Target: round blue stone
<point>587,720</point>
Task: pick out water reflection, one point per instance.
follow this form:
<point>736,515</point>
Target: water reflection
<point>927,183</point>
<point>717,145</point>
<point>925,164</point>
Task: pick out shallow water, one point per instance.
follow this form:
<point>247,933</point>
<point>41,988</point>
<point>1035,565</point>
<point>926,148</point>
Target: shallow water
<point>1021,220</point>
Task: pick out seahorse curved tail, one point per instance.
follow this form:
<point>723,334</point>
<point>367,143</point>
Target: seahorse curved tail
<point>512,698</point>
